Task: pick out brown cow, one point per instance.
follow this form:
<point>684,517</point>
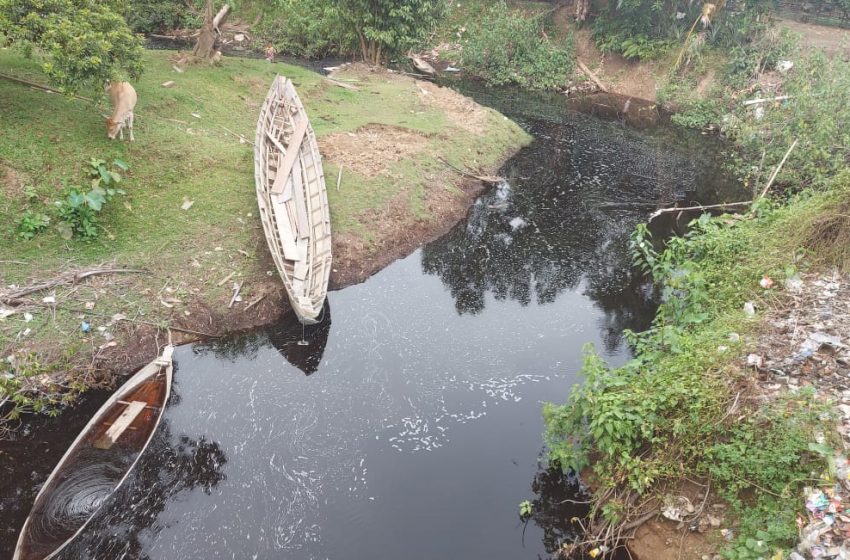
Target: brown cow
<point>124,99</point>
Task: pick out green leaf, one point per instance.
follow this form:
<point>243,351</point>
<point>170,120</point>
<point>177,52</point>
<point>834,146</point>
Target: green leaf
<point>121,164</point>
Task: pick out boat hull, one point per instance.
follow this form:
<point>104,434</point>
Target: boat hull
<point>98,461</point>
<point>292,199</point>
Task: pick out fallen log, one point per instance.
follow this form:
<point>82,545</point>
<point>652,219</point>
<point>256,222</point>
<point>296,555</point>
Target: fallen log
<point>68,278</point>
<point>489,179</point>
<point>700,207</point>
<point>592,76</point>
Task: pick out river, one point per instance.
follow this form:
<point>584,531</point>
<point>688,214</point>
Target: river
<point>410,425</point>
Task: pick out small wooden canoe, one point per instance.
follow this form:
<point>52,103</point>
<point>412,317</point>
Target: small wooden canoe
<point>293,199</point>
<point>98,461</point>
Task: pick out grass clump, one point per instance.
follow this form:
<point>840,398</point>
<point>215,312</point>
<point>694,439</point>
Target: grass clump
<point>681,409</point>
<point>506,46</point>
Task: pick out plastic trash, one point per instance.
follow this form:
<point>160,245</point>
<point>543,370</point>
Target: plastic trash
<point>85,327</point>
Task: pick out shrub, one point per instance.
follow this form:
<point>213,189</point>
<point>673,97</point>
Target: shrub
<point>32,223</point>
<point>305,28</point>
<point>507,47</point>
<point>78,210</point>
<point>159,16</point>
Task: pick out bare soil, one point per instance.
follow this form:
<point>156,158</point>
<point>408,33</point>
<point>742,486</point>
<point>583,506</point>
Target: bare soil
<point>369,149</point>
<point>833,40</point>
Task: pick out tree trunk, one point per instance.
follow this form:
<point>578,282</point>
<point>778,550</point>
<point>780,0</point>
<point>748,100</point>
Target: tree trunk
<point>582,7</point>
<point>205,46</point>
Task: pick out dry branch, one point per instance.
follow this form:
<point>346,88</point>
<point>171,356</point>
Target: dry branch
<point>40,86</point>
<point>64,279</point>
<point>490,179</point>
<point>692,208</point>
<point>592,76</point>
<point>778,168</point>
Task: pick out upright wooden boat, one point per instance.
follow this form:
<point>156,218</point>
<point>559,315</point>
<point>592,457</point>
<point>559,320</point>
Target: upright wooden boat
<point>293,200</point>
<point>98,461</point>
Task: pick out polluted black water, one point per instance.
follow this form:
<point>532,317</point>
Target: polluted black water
<point>410,425</point>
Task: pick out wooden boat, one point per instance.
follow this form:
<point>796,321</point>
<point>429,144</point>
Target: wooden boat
<point>98,461</point>
<point>293,200</point>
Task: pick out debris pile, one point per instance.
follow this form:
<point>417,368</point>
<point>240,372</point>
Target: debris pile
<point>809,346</point>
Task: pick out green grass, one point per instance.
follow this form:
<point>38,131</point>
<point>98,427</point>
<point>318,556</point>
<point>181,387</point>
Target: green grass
<point>665,416</point>
<point>46,140</point>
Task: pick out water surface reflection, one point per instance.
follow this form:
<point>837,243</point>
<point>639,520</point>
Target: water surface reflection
<point>410,426</point>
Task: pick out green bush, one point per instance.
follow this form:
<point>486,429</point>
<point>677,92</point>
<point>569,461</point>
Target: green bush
<point>503,46</point>
<point>664,415</point>
<point>31,223</point>
<point>646,29</point>
<point>304,28</point>
<point>159,16</point>
<point>78,210</point>
<point>83,42</point>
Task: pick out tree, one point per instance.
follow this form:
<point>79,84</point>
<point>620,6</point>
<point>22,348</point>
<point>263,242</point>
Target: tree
<point>83,42</point>
<point>204,47</point>
<point>387,28</point>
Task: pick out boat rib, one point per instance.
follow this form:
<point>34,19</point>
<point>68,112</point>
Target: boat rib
<point>98,462</point>
<point>292,199</point>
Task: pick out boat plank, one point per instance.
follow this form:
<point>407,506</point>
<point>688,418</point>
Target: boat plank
<point>119,426</point>
<point>290,153</point>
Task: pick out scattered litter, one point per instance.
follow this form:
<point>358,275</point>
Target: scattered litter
<point>90,305</point>
<point>734,337</point>
<point>219,249</point>
<point>176,68</point>
<point>237,287</point>
<point>196,115</point>
<point>517,223</point>
<point>27,317</point>
<point>117,317</point>
<point>186,203</point>
<point>750,309</point>
<point>451,69</point>
<point>6,312</point>
<point>784,65</point>
<point>243,252</point>
<point>168,84</point>
<point>239,37</point>
<point>676,508</point>
<point>766,282</point>
<point>85,327</point>
<point>106,345</point>
<point>755,361</point>
<point>49,299</point>
<point>794,284</point>
<point>727,534</point>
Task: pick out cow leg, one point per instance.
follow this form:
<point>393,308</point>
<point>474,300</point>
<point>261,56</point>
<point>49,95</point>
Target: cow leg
<point>121,131</point>
<point>130,118</point>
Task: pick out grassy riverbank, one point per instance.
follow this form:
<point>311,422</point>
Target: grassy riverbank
<point>386,134</point>
<point>701,425</point>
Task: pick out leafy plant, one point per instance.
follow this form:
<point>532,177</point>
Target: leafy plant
<point>667,409</point>
<point>505,46</point>
<point>78,211</point>
<point>526,509</point>
<point>32,223</point>
<point>159,16</point>
<point>84,42</point>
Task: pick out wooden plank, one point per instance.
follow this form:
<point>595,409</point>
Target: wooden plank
<point>287,238</point>
<point>298,194</point>
<point>121,424</point>
<point>291,152</point>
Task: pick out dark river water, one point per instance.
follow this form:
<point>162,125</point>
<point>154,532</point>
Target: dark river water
<point>410,426</point>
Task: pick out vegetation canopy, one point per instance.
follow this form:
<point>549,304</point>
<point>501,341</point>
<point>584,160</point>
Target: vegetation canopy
<point>83,42</point>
